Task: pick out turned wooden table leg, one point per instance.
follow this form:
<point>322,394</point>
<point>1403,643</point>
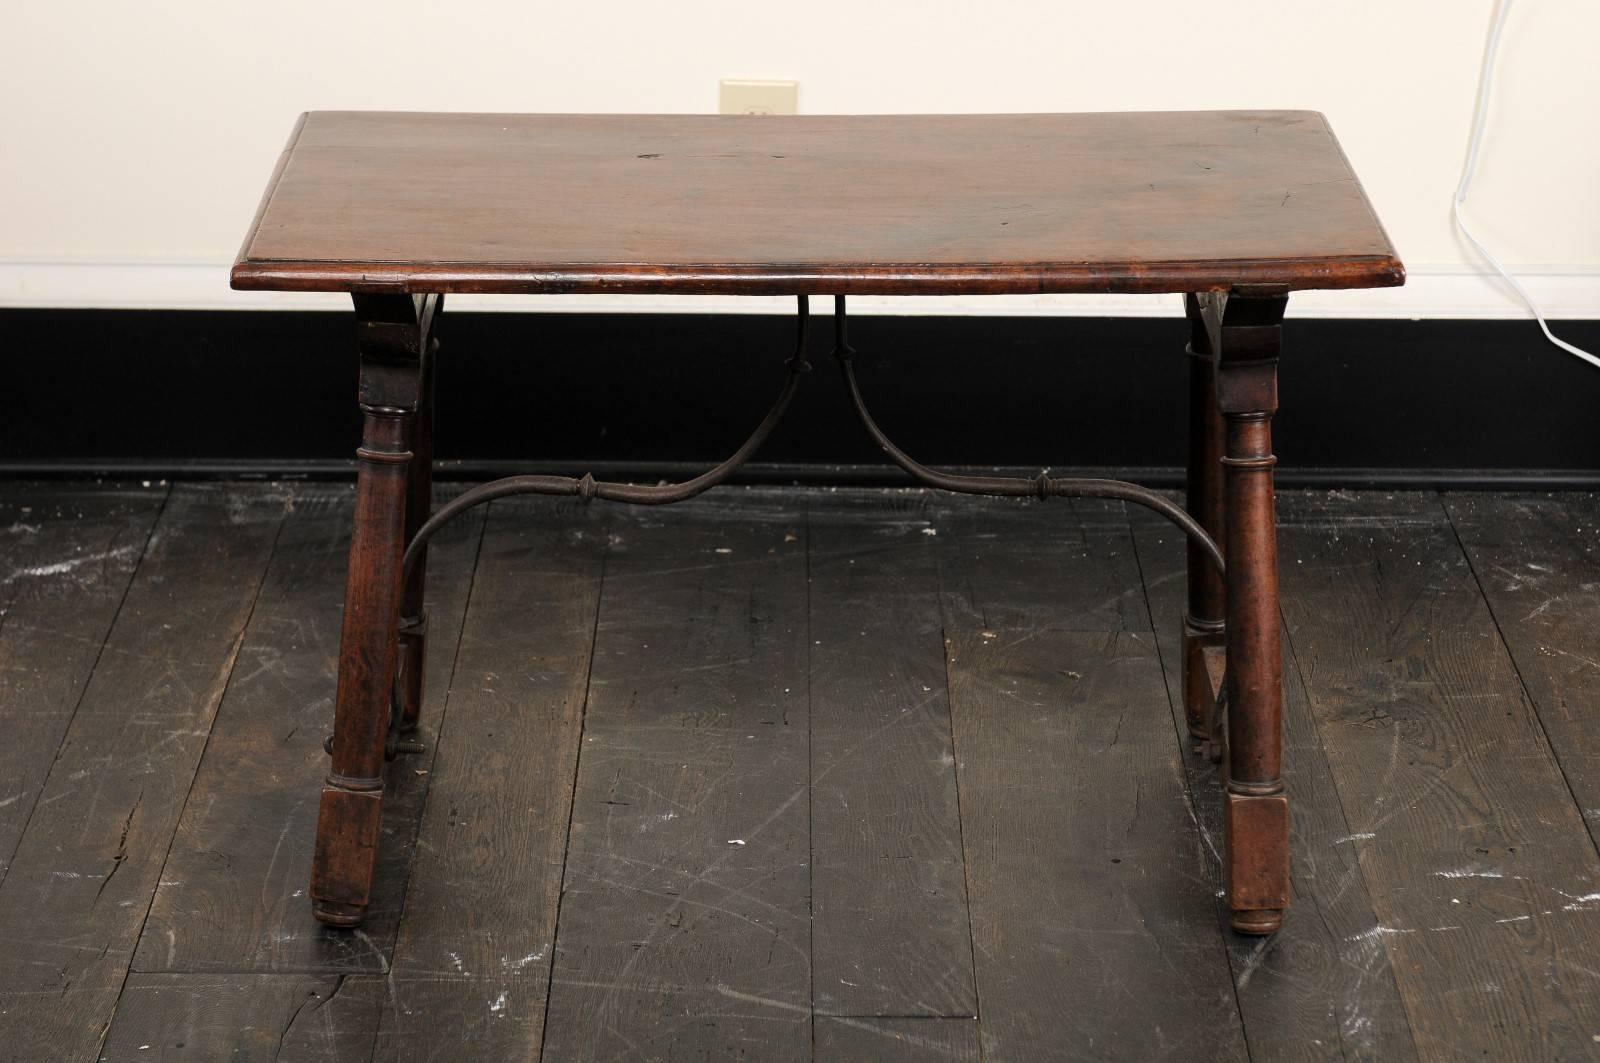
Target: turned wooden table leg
<point>392,337</point>
<point>413,631</point>
<point>1245,329</point>
<point>1203,618</point>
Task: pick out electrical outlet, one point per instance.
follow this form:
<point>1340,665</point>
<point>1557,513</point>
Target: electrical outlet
<point>744,96</point>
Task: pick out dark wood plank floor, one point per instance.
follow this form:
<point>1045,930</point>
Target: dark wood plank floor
<point>787,774</point>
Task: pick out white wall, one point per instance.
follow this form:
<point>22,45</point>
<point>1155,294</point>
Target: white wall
<point>135,138</point>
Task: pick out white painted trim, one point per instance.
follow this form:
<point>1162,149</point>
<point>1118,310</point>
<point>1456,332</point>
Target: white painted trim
<point>1442,291</point>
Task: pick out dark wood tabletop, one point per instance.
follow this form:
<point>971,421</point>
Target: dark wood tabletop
<point>912,204</point>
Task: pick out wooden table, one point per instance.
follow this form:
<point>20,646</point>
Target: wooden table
<point>1232,210</point>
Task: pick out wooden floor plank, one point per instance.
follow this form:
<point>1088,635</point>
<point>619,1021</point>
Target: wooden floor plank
<point>1067,564</point>
<point>232,896</point>
<point>84,873</point>
<point>67,553</point>
<point>685,923</point>
<point>890,928</point>
<point>847,1040</point>
<point>1537,561</point>
<point>1095,927</point>
<point>1067,762</point>
<point>1484,882</point>
<point>250,1018</point>
<point>471,963</point>
<point>1317,989</point>
<point>1445,879</point>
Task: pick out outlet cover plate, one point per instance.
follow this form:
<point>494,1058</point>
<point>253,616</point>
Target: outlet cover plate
<point>748,96</point>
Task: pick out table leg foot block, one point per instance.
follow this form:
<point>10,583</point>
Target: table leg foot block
<point>1258,923</point>
<point>346,853</point>
<point>411,652</point>
<point>334,914</point>
<point>1256,837</point>
<point>1202,673</point>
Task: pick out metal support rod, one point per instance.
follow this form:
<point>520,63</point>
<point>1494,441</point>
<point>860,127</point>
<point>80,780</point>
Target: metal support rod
<point>1041,486</point>
<point>587,487</point>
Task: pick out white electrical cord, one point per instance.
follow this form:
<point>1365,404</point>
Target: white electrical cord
<point>1485,79</point>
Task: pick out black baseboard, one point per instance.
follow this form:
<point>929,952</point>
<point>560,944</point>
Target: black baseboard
<point>263,394</point>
